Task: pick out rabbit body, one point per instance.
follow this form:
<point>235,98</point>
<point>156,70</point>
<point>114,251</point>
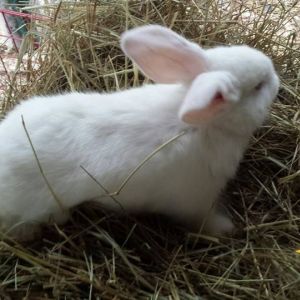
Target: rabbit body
<point>81,138</point>
<point>109,136</point>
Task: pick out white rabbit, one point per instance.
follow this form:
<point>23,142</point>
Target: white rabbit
<point>217,96</point>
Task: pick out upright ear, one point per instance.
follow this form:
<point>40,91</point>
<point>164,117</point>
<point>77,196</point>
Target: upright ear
<point>163,55</point>
<point>209,94</point>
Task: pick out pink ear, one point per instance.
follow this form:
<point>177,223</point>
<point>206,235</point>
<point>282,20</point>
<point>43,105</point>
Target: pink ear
<point>163,55</point>
<point>209,94</point>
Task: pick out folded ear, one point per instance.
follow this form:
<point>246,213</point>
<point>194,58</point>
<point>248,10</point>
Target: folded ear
<point>163,55</point>
<point>209,94</point>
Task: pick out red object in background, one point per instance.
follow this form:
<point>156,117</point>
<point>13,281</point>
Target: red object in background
<point>23,15</point>
<point>27,16</point>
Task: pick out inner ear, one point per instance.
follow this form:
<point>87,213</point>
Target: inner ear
<point>209,94</point>
<point>215,105</point>
<point>163,55</point>
<point>219,98</point>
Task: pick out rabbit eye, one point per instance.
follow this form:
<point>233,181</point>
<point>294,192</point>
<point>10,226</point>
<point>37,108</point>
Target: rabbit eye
<point>259,86</point>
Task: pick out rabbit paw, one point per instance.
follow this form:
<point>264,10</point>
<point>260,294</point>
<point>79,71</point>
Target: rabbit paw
<point>219,225</point>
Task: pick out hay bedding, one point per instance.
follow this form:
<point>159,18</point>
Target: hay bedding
<point>100,256</point>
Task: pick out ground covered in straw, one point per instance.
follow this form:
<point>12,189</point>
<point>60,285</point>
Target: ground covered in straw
<point>101,256</point>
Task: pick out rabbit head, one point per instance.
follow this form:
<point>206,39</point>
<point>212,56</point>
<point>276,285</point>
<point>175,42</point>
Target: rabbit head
<point>230,86</point>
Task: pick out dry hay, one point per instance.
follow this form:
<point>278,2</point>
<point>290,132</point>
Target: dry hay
<point>99,255</point>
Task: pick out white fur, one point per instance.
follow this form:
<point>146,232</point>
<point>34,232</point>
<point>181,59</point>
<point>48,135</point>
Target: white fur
<point>110,134</point>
